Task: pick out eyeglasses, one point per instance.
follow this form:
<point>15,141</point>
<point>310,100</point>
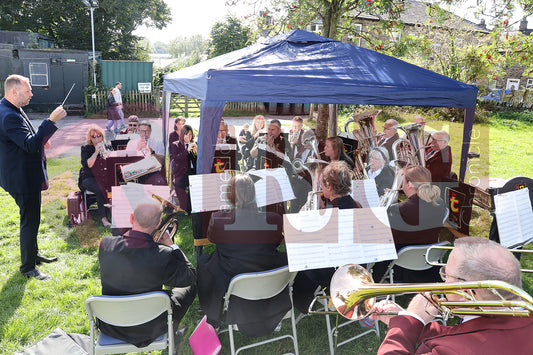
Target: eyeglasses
<point>444,275</point>
<point>96,136</point>
<point>145,130</point>
<point>132,124</point>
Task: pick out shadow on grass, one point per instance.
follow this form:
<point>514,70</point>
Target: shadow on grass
<point>10,298</point>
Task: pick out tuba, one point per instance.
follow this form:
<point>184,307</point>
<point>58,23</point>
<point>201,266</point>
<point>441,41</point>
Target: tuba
<point>353,294</point>
<point>411,148</point>
<point>366,138</point>
<point>170,220</point>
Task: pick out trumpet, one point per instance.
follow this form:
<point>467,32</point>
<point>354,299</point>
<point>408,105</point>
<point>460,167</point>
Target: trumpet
<point>353,294</point>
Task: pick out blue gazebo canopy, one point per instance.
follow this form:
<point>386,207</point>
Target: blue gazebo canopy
<point>303,67</point>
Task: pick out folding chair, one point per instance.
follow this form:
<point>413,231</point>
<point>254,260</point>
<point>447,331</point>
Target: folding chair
<point>86,196</point>
<point>126,311</point>
<point>259,286</point>
<point>323,300</point>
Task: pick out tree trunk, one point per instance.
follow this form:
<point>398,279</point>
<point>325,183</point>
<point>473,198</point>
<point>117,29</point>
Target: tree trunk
<point>322,122</point>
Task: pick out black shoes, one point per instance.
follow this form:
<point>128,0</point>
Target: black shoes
<point>43,259</point>
<point>37,274</point>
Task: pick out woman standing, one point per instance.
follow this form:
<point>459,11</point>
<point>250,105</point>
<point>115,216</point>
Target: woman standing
<point>175,135</point>
<point>93,150</point>
<point>183,153</point>
<point>113,116</point>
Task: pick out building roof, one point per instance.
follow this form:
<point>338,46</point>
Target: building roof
<point>417,13</point>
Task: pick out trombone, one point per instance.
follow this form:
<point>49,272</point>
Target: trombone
<point>353,295</point>
<point>449,247</point>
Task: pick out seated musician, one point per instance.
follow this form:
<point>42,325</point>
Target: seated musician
<point>334,150</point>
<point>417,220</point>
<point>134,263</point>
<point>336,186</point>
<point>183,154</point>
<point>246,240</point>
<point>149,146</point>
<point>94,149</point>
<point>472,259</point>
<point>389,135</point>
<point>379,169</point>
<point>439,156</point>
<point>133,124</point>
<point>258,127</point>
<point>224,137</point>
<point>275,146</point>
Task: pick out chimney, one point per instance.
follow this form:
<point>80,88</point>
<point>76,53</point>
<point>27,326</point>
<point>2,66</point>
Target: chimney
<point>523,26</point>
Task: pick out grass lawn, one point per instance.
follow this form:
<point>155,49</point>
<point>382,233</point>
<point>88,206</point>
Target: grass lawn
<point>30,309</point>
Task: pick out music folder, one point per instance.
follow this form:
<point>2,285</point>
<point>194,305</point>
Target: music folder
<point>514,215</point>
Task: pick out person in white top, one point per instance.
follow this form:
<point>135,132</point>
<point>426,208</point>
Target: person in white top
<point>148,146</point>
<point>118,99</point>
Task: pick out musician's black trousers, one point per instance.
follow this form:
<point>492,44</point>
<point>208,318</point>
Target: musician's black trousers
<point>92,185</point>
<point>30,218</point>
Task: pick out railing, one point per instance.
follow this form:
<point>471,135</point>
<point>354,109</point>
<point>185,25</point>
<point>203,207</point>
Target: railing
<point>134,102</point>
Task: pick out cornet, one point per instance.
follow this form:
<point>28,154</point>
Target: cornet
<point>353,294</point>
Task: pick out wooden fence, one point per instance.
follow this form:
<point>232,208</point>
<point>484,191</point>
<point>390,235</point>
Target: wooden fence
<point>133,101</point>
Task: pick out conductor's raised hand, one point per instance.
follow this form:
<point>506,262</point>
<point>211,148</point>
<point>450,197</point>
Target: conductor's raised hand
<point>58,114</point>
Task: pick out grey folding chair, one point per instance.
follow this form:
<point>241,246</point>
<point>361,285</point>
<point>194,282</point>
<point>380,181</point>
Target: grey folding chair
<point>259,286</point>
<point>127,311</point>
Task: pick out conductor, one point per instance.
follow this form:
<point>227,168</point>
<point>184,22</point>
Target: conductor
<point>23,166</point>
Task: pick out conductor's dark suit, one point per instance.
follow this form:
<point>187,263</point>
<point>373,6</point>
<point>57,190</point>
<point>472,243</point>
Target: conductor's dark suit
<point>23,173</point>
<point>135,264</point>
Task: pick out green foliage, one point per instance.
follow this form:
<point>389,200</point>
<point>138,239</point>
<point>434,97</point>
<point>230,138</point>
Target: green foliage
<point>69,23</point>
<point>180,63</point>
<point>227,36</point>
<point>186,46</point>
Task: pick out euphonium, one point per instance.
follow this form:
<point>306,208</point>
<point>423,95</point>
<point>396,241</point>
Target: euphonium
<point>391,195</point>
<point>169,223</point>
<point>353,294</point>
<point>366,138</point>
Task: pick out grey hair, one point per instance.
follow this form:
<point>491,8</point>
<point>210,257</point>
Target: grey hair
<point>484,259</point>
<point>242,191</point>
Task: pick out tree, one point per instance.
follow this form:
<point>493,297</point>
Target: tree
<point>185,46</point>
<point>227,36</point>
<point>69,23</point>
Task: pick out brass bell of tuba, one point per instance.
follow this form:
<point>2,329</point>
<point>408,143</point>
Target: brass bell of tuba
<point>170,220</point>
<point>366,138</point>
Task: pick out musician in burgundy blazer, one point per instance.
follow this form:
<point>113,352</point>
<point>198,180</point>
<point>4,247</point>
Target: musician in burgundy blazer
<point>472,259</point>
<point>439,157</point>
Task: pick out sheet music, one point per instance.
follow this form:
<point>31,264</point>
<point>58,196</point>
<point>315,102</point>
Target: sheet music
<point>209,191</point>
<point>273,187</point>
<point>333,237</point>
<point>365,192</point>
<point>126,197</point>
<point>514,215</point>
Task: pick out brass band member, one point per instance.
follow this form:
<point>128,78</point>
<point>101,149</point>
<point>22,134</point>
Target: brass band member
<point>472,259</point>
<point>379,169</point>
<point>175,134</point>
<point>183,154</point>
<point>334,150</point>
<point>439,157</point>
<point>389,135</point>
<point>336,186</point>
<point>275,147</point>
<point>417,220</point>
<point>258,128</point>
<point>93,150</point>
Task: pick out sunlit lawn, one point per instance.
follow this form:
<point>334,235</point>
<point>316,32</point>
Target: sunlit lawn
<point>30,309</point>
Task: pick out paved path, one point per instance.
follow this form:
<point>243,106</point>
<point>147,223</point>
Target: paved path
<point>72,130</point>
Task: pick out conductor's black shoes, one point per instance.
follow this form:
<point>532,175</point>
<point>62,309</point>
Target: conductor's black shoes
<point>37,274</point>
<point>43,259</point>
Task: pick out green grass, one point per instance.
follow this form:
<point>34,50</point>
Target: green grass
<point>30,309</point>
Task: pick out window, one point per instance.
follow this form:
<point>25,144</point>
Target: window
<point>529,83</point>
<point>355,37</point>
<point>39,74</point>
<point>395,35</point>
<point>513,84</point>
<point>316,27</point>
